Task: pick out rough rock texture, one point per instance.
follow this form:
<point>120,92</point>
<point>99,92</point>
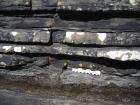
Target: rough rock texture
<point>24,35</point>
<point>78,5</point>
<point>94,38</point>
<point>25,23</point>
<point>16,98</point>
<point>13,60</point>
<point>118,24</point>
<point>15,5</point>
<point>41,41</point>
<point>95,5</point>
<point>116,53</point>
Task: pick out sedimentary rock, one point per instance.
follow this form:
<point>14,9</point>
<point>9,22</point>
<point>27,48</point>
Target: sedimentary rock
<point>13,60</point>
<point>14,98</point>
<point>15,5</point>
<point>71,5</point>
<point>115,24</point>
<point>95,5</point>
<point>24,22</point>
<point>44,4</point>
<point>115,53</point>
<point>97,38</point>
<point>25,35</point>
<point>88,5</point>
<point>42,41</point>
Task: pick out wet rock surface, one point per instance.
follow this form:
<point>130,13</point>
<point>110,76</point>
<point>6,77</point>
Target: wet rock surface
<point>42,41</point>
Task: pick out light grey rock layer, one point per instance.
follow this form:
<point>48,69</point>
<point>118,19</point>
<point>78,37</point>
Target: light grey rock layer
<point>95,5</point>
<point>25,35</point>
<point>13,60</point>
<point>70,37</point>
<point>79,5</point>
<point>116,53</point>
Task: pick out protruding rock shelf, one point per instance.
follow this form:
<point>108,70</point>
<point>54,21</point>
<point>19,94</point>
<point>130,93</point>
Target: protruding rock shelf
<point>25,23</point>
<point>102,5</point>
<point>113,24</point>
<point>115,53</point>
<point>25,35</point>
<point>71,5</point>
<point>97,38</point>
<point>70,37</point>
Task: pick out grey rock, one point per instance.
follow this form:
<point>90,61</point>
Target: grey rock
<point>13,60</point>
<point>15,98</point>
<point>113,24</point>
<point>15,5</point>
<point>38,38</point>
<point>78,80</point>
<point>96,38</point>
<point>23,35</point>
<point>25,23</point>
<point>44,4</point>
<point>116,53</point>
<point>42,61</point>
<point>56,78</point>
<point>71,5</point>
<point>95,5</point>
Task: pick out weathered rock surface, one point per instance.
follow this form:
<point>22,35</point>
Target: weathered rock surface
<point>96,38</point>
<point>71,5</point>
<point>25,35</point>
<point>13,60</point>
<point>117,24</point>
<point>15,5</point>
<point>25,23</point>
<point>95,5</point>
<point>54,77</point>
<point>44,4</point>
<point>15,98</point>
<point>42,41</point>
<point>108,88</point>
<point>116,53</point>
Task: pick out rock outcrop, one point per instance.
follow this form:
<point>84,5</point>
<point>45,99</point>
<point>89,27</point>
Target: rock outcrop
<point>41,41</point>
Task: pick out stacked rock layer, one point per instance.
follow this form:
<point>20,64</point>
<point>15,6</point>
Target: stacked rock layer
<point>42,40</point>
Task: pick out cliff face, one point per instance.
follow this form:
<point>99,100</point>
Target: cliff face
<point>42,41</point>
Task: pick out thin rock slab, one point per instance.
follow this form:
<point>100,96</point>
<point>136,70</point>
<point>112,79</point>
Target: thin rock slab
<point>88,5</point>
<point>96,38</point>
<point>44,5</point>
<point>25,35</point>
<point>15,98</point>
<point>116,53</point>
<point>113,24</point>
<point>13,60</point>
<point>9,5</point>
<point>25,23</point>
<point>96,5</point>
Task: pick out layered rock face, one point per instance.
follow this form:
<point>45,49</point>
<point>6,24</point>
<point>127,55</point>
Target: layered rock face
<point>42,41</point>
